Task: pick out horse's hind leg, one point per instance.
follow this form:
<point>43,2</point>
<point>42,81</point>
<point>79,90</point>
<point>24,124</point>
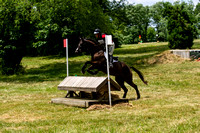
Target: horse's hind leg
<point>120,81</point>
<point>135,87</point>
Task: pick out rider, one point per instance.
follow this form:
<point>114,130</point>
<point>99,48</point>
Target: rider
<point>101,40</point>
<point>100,37</point>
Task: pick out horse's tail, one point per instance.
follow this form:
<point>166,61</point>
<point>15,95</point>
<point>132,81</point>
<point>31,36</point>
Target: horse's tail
<point>140,75</point>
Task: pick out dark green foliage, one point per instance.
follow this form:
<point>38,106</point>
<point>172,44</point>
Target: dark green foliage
<point>197,9</point>
<point>138,20</point>
<point>197,15</point>
<point>151,34</point>
<point>68,19</point>
<point>159,21</point>
<point>194,55</point>
<point>180,26</point>
<point>15,34</point>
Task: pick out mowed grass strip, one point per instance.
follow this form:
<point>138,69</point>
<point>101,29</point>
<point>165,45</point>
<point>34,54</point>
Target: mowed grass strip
<point>170,103</point>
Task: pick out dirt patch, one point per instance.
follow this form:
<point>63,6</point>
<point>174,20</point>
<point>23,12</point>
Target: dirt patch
<point>98,107</point>
<point>105,106</point>
<point>163,58</point>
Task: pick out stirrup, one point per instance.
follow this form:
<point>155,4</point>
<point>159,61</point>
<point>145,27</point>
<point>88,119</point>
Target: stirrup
<point>111,65</point>
<point>115,58</point>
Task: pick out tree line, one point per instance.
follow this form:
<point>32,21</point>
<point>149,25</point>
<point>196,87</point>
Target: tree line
<point>38,27</point>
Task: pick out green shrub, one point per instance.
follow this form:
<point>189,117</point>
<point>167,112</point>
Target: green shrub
<point>15,33</point>
<point>180,26</point>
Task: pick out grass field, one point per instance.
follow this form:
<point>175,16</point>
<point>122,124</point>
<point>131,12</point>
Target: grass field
<point>170,103</point>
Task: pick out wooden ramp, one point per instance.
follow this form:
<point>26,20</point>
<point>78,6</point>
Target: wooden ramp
<point>94,87</point>
<point>87,84</point>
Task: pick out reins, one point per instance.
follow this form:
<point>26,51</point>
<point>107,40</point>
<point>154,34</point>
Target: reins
<point>94,47</point>
<point>91,42</point>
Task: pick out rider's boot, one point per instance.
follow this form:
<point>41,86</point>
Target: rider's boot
<point>111,61</point>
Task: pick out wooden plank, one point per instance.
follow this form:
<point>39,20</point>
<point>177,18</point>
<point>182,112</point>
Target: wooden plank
<point>114,85</point>
<point>92,82</point>
<point>185,53</point>
<point>70,102</point>
<point>74,102</point>
<point>84,102</point>
<point>86,82</point>
<point>70,81</point>
<point>80,82</point>
<point>77,81</point>
<point>77,89</point>
<point>89,84</point>
<point>103,83</point>
<point>95,82</point>
<point>63,82</point>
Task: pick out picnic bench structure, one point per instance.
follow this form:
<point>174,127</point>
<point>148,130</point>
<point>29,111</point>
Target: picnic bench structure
<point>86,91</point>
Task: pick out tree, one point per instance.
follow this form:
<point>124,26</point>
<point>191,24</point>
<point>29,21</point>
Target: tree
<point>180,26</point>
<point>197,9</point>
<point>16,24</point>
<point>159,21</point>
<point>55,23</point>
<point>197,16</point>
<point>68,19</point>
<point>138,22</point>
<point>151,34</point>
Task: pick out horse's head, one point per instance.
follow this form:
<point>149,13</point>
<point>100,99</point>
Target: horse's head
<point>87,45</point>
<point>81,46</point>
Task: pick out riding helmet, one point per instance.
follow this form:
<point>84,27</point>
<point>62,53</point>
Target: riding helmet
<point>97,31</point>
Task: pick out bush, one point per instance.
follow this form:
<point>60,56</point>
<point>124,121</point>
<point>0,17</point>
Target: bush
<point>15,34</point>
<point>180,27</point>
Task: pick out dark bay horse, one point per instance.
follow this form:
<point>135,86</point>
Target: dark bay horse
<point>97,63</point>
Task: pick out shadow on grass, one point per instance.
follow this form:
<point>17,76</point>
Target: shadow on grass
<point>142,49</point>
<point>47,72</point>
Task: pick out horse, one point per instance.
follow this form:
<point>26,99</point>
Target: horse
<point>120,70</point>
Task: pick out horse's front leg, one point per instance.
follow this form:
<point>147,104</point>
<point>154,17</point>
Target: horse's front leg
<point>84,66</point>
<point>92,67</point>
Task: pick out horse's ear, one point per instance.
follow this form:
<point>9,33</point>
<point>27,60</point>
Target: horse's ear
<point>81,39</point>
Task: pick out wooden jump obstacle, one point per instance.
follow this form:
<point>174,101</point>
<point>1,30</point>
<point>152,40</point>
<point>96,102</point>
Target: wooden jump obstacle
<point>92,90</point>
<point>187,54</point>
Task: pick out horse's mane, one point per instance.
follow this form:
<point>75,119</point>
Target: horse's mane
<point>89,39</point>
<point>95,44</point>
